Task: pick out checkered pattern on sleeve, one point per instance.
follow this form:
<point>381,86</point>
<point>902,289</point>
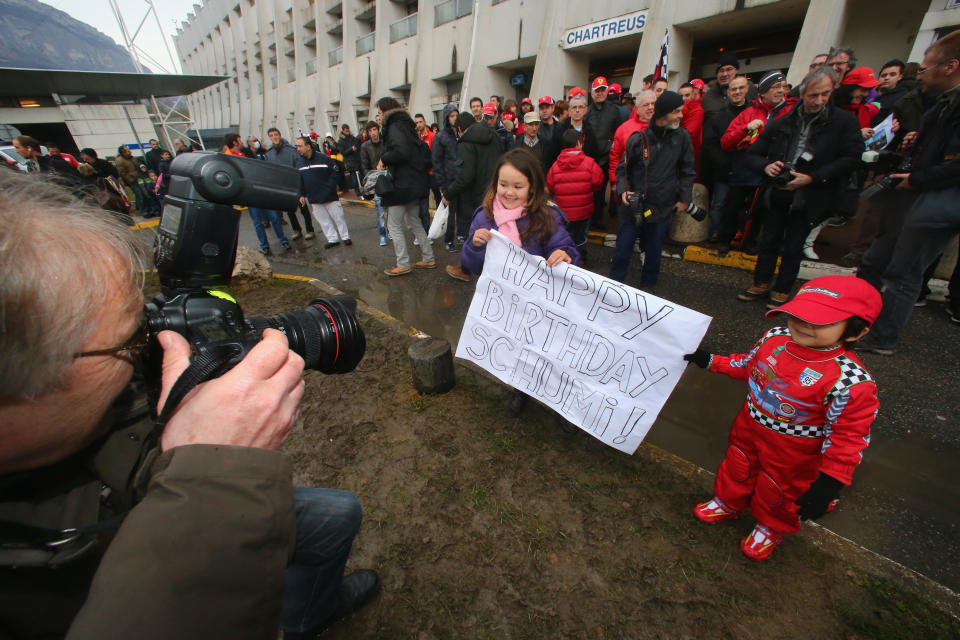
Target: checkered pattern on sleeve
<point>776,331</point>
<point>798,430</point>
<point>851,373</point>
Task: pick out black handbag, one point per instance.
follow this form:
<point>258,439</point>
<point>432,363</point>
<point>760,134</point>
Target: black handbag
<point>384,184</point>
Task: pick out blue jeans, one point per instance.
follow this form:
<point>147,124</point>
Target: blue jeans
<point>327,522</point>
<point>274,216</point>
<point>425,213</point>
<point>651,236</point>
<point>382,230</point>
<point>717,201</point>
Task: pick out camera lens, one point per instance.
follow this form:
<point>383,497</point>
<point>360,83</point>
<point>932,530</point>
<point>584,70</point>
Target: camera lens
<point>325,334</point>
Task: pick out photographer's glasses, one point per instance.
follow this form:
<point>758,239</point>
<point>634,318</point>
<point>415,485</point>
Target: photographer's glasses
<point>132,348</point>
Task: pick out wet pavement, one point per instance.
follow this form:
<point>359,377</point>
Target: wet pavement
<point>905,500</point>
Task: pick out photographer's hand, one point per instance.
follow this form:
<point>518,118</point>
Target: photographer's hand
<point>624,196</point>
<point>252,405</point>
<point>904,180</point>
<point>800,180</point>
<point>681,206</point>
<point>773,169</point>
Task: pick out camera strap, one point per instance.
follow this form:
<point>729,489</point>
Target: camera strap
<point>206,366</point>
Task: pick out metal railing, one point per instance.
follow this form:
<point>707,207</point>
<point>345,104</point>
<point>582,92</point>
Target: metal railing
<point>450,10</point>
<point>403,28</point>
<point>365,44</point>
<point>335,56</point>
<point>311,67</point>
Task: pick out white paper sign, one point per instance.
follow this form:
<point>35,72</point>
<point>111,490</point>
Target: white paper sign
<point>602,354</point>
<point>882,135</point>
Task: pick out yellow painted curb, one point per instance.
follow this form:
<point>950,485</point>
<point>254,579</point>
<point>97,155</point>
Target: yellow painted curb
<point>285,276</point>
<point>146,224</point>
<point>735,259</point>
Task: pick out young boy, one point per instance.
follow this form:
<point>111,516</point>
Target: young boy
<point>807,416</point>
<point>572,180</point>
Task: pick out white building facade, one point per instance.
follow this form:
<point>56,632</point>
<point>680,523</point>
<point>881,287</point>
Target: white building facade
<point>303,65</point>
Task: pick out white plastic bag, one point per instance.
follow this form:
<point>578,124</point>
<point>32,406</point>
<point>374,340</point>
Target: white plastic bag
<point>438,227</point>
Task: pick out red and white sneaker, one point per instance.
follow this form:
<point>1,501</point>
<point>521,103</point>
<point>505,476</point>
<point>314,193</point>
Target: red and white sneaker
<point>761,542</point>
<point>714,511</point>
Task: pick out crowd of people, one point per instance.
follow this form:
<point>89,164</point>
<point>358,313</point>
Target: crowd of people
<point>117,526</point>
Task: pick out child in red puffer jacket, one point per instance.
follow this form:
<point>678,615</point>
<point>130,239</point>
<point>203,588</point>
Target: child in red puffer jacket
<point>572,180</point>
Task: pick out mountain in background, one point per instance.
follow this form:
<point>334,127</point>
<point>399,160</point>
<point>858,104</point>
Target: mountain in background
<point>34,35</point>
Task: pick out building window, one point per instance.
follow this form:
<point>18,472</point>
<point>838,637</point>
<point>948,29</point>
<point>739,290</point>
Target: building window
<point>311,67</point>
<point>335,56</point>
<point>403,28</point>
<point>450,10</point>
<point>365,44</point>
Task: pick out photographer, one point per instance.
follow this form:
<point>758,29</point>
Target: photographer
<point>110,529</point>
<point>656,179</point>
<point>807,157</point>
<point>902,254</point>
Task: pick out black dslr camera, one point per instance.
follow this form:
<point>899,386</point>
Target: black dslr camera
<point>885,162</point>
<point>782,179</point>
<point>195,250</point>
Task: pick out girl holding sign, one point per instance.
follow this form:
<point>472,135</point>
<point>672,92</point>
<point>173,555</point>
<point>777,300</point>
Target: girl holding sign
<point>516,205</point>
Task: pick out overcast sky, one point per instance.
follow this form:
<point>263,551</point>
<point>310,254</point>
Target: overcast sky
<point>99,15</point>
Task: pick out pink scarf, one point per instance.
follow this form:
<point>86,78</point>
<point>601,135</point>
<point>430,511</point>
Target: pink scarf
<point>506,220</point>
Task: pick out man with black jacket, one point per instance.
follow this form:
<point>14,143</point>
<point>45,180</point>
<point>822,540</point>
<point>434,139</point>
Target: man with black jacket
<point>319,177</point>
<point>349,148</point>
<point>933,219</point>
<point>477,154</point>
<point>603,117</point>
<point>714,161</point>
<point>819,145</point>
<point>403,157</point>
<point>659,170</point>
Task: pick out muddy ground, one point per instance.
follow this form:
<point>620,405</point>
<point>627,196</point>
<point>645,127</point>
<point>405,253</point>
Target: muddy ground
<point>487,527</point>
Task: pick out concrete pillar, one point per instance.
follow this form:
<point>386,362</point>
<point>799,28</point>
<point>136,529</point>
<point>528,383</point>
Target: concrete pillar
<point>659,19</point>
<point>823,27</point>
<point>422,86</point>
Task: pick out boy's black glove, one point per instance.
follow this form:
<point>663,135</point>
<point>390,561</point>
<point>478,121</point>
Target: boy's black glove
<point>816,501</point>
<point>699,357</point>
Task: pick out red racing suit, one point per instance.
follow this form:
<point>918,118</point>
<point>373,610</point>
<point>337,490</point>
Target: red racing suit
<point>807,411</point>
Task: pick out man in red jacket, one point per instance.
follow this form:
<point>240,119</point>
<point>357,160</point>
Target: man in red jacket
<point>638,121</point>
<point>692,93</point>
<point>572,180</point>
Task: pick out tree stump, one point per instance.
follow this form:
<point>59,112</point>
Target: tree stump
<point>432,361</point>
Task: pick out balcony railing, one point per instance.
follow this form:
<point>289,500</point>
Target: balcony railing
<point>286,28</point>
<point>365,44</point>
<point>273,82</point>
<point>307,17</point>
<point>450,10</point>
<point>335,56</point>
<point>291,75</point>
<point>311,67</point>
<point>403,28</point>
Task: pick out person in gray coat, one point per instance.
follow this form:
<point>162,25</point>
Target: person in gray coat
<point>282,152</point>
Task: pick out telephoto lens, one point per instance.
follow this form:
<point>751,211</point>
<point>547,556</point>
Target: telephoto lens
<point>325,334</point>
<point>698,213</point>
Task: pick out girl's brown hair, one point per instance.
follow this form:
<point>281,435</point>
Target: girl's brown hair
<point>541,222</point>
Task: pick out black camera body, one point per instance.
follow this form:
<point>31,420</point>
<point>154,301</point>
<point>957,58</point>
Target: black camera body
<point>885,162</point>
<point>196,249</point>
<point>635,202</point>
<point>782,179</point>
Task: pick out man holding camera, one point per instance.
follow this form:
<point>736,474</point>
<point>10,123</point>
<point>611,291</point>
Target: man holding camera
<point>110,528</point>
<point>902,254</point>
<point>656,179</point>
<point>806,158</point>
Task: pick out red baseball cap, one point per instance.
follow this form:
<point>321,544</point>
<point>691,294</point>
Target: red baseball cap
<point>862,77</point>
<point>508,115</point>
<point>830,299</point>
<point>546,100</point>
<point>489,109</point>
<point>600,82</point>
<point>577,91</point>
<point>615,88</point>
<point>526,101</point>
<point>698,84</point>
